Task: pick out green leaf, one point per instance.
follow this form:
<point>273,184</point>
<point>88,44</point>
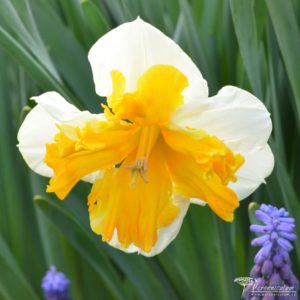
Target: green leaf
<point>84,244</point>
<point>12,279</point>
<point>96,20</point>
<point>245,28</point>
<point>287,31</point>
<point>69,56</point>
<point>34,69</point>
<point>30,40</point>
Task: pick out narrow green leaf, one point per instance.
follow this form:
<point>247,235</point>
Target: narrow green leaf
<point>84,244</point>
<point>12,279</point>
<point>290,198</point>
<point>149,283</point>
<point>96,20</point>
<point>34,69</point>
<point>287,31</point>
<point>69,56</point>
<point>228,267</point>
<point>15,194</point>
<point>116,9</point>
<point>12,20</point>
<point>245,28</point>
<point>197,50</point>
<point>76,21</point>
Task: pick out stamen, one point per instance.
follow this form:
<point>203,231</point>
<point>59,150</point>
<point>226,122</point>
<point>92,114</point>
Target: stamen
<point>148,138</point>
<point>140,167</point>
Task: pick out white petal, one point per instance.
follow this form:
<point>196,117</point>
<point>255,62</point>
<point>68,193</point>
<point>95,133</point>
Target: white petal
<point>233,115</point>
<point>258,165</point>
<point>132,48</point>
<point>39,129</point>
<point>165,235</point>
<point>197,201</point>
<point>243,123</point>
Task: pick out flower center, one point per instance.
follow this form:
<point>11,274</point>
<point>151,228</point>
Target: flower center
<point>147,140</point>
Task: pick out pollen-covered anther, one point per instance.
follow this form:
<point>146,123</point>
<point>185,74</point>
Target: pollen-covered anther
<point>140,167</point>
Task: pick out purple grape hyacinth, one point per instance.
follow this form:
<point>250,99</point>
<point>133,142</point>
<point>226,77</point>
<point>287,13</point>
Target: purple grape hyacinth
<point>272,274</point>
<point>55,285</point>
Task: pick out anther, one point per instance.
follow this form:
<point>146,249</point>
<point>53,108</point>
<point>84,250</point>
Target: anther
<point>140,167</point>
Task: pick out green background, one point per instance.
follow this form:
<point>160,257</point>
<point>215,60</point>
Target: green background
<point>254,45</point>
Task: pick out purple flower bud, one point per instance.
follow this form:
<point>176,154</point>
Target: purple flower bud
<point>260,257</point>
<point>266,249</point>
<point>55,285</point>
<point>264,207</point>
<point>278,212</point>
<point>275,280</point>
<point>288,235</point>
<point>260,282</point>
<point>278,260</point>
<point>294,282</point>
<point>258,228</point>
<point>260,241</point>
<point>267,267</point>
<point>286,245</point>
<point>262,216</point>
<point>255,271</point>
<point>247,292</point>
<point>284,254</point>
<point>274,236</point>
<point>285,227</point>
<point>287,220</point>
<point>285,272</point>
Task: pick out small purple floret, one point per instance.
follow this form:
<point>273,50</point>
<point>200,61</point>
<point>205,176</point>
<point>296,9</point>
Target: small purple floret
<point>55,285</point>
<point>255,272</point>
<point>267,267</point>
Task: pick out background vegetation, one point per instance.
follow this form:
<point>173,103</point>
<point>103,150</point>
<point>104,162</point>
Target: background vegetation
<point>43,46</point>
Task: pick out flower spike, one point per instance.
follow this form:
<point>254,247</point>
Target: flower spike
<point>55,285</point>
<point>272,270</point>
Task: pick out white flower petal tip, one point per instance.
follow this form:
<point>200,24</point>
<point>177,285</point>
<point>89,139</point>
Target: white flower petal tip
<point>55,105</point>
<point>165,235</point>
<point>197,202</point>
<point>40,127</point>
<point>259,164</point>
<point>36,131</point>
<point>134,47</point>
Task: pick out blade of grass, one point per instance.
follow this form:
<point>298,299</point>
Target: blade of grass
<point>290,198</point>
<point>77,236</point>
<point>68,55</point>
<point>286,28</point>
<point>11,276</point>
<point>45,80</point>
<point>12,20</point>
<point>15,192</point>
<point>245,28</point>
<point>96,20</point>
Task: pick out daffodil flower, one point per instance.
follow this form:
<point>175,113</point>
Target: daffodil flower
<point>160,144</point>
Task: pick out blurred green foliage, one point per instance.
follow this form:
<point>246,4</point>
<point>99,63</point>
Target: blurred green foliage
<point>253,44</point>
